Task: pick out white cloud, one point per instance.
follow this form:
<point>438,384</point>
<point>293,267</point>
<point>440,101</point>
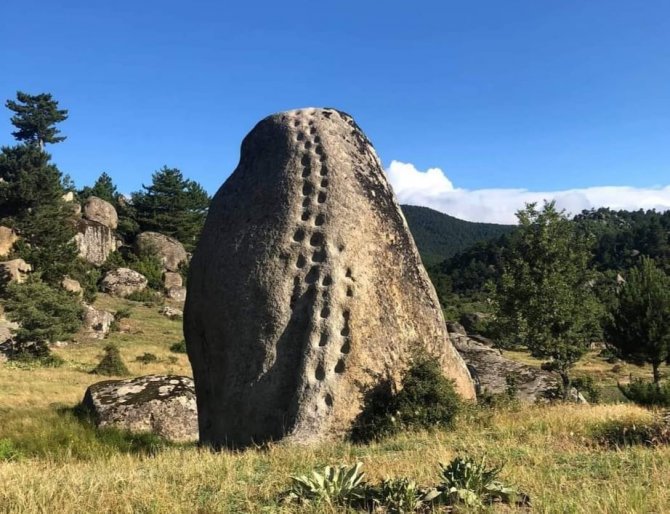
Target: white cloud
<point>432,188</point>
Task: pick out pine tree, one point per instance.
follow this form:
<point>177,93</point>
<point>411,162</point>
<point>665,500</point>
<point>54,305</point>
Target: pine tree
<point>639,324</point>
<point>172,205</point>
<point>103,188</point>
<point>543,299</point>
<point>35,118</point>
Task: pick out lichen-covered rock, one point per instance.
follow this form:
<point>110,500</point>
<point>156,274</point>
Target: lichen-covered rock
<point>172,279</point>
<point>163,405</point>
<point>99,210</point>
<point>171,312</point>
<point>123,282</point>
<point>95,241</point>
<point>15,270</point>
<point>7,239</point>
<point>306,287</point>
<point>97,323</point>
<point>170,251</point>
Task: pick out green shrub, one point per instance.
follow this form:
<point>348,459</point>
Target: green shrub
<point>336,485</point>
<point>147,296</point>
<point>88,277</point>
<point>587,386</point>
<point>427,400</point>
<point>8,451</point>
<point>111,363</point>
<point>621,433</point>
<point>647,393</point>
<point>179,347</point>
<point>397,496</point>
<point>46,314</point>
<point>146,358</point>
<point>114,261</point>
<point>149,265</point>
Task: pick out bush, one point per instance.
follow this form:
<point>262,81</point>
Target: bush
<point>8,452</point>
<point>179,347</point>
<point>111,363</point>
<point>427,400</point>
<point>621,433</point>
<point>149,265</point>
<point>336,485</point>
<point>88,277</point>
<point>146,358</point>
<point>46,314</point>
<point>147,296</point>
<point>647,394</point>
<point>587,386</point>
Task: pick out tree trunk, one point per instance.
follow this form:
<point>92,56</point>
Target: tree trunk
<point>565,378</point>
<point>657,373</point>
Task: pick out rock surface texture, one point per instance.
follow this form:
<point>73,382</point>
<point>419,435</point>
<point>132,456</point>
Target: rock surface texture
<point>123,282</point>
<point>492,368</point>
<point>163,405</point>
<point>306,287</point>
<point>7,239</point>
<point>16,270</point>
<point>170,251</point>
<point>97,323</point>
<point>95,241</point>
<point>101,211</point>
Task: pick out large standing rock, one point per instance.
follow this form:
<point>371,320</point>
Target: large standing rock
<point>164,405</point>
<point>95,241</point>
<point>172,279</point>
<point>170,251</point>
<point>123,282</point>
<point>16,270</point>
<point>72,286</point>
<point>306,287</point>
<point>7,239</point>
<point>98,210</point>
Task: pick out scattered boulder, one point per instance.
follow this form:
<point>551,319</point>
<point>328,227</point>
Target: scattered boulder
<point>491,369</point>
<point>95,241</point>
<point>97,322</point>
<point>68,197</point>
<point>306,288</point>
<point>7,239</point>
<point>16,270</point>
<point>72,286</point>
<point>123,282</point>
<point>98,210</point>
<point>177,294</point>
<point>171,312</point>
<point>170,251</point>
<point>172,279</point>
<point>163,405</point>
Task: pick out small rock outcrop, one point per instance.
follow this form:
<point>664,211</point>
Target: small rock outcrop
<point>72,286</point>
<point>172,279</point>
<point>170,251</point>
<point>306,288</point>
<point>7,239</point>
<point>95,241</point>
<point>16,270</point>
<point>492,369</point>
<point>163,405</point>
<point>178,294</point>
<point>100,211</point>
<point>123,282</point>
<point>171,312</point>
<point>97,323</point>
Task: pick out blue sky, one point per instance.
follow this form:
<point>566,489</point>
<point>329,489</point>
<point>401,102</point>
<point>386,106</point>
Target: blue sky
<point>529,96</point>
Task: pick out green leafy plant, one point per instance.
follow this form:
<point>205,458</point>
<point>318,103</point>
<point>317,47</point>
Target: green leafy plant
<point>472,483</point>
<point>587,386</point>
<point>336,485</point>
<point>8,451</point>
<point>399,495</point>
<point>111,363</point>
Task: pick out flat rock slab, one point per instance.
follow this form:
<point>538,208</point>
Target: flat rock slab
<point>163,405</point>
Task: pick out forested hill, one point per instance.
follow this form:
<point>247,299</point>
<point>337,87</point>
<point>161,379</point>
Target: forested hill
<point>440,236</point>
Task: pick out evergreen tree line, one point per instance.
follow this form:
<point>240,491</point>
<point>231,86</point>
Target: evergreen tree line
<point>32,203</point>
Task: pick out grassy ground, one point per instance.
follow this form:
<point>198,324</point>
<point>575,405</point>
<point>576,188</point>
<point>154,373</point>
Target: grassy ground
<point>54,463</point>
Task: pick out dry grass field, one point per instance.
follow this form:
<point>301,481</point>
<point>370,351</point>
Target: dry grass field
<point>51,462</point>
